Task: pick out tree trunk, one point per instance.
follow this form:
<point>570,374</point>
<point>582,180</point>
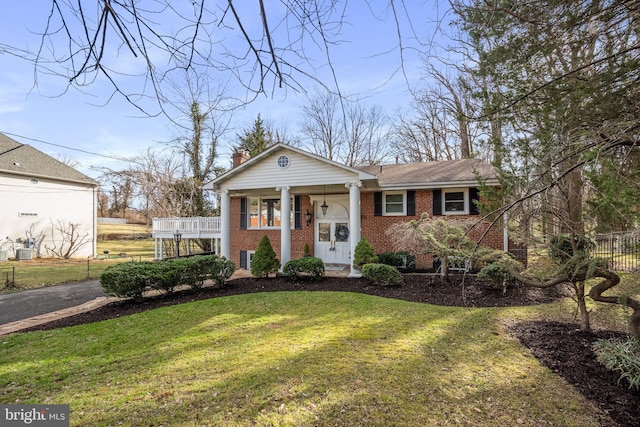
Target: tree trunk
<point>585,323</point>
<point>611,279</point>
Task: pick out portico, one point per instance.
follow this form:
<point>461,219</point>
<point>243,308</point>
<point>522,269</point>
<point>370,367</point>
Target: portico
<point>257,198</point>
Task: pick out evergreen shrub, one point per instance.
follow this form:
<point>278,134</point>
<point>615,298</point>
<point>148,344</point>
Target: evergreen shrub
<point>402,260</point>
<point>382,275</point>
<point>264,259</point>
<point>364,254</point>
<point>307,267</point>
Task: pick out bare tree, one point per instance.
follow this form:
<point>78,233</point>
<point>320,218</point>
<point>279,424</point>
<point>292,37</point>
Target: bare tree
<point>66,238</point>
<point>345,131</point>
<point>127,41</point>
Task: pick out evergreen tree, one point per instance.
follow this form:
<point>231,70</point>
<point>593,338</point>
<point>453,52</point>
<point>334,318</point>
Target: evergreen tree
<point>264,260</point>
<point>256,140</point>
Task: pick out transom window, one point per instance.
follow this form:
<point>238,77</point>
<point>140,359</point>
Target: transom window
<point>455,201</point>
<point>265,213</point>
<point>394,203</point>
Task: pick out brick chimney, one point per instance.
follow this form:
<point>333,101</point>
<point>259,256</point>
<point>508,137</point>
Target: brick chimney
<point>239,157</point>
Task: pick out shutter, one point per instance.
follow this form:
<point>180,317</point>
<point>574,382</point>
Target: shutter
<point>297,212</point>
<point>437,202</point>
<point>243,259</point>
<point>473,197</point>
<point>411,203</point>
<point>243,213</point>
<point>377,203</point>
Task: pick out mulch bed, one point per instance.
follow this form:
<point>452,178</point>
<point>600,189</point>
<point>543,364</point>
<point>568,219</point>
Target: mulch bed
<point>560,346</point>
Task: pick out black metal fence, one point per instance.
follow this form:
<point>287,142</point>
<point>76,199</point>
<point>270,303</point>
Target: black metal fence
<point>622,248</point>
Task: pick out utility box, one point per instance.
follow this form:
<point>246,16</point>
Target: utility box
<point>4,255</point>
<point>23,254</point>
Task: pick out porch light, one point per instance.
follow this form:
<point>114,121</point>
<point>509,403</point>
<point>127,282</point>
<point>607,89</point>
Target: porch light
<point>178,238</point>
<point>324,205</point>
<point>307,216</point>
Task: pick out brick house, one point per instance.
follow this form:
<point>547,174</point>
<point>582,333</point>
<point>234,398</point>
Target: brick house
<point>330,206</point>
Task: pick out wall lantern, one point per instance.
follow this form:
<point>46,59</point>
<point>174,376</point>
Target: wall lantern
<point>307,216</point>
<point>178,238</point>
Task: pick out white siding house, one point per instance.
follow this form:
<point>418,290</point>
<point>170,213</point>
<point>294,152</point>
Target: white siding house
<point>44,204</point>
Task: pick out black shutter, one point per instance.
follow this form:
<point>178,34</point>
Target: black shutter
<point>437,202</point>
<point>243,213</point>
<point>411,203</point>
<point>297,212</point>
<point>473,197</point>
<point>243,259</point>
<point>377,203</point>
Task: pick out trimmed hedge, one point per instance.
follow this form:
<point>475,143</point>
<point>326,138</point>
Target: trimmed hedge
<point>130,280</point>
<point>402,260</point>
<point>307,267</point>
<point>382,275</point>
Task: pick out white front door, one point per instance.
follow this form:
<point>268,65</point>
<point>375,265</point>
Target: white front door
<point>332,242</point>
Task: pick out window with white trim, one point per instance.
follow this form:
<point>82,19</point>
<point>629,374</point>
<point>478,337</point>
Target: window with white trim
<point>454,201</point>
<point>265,212</point>
<point>394,203</point>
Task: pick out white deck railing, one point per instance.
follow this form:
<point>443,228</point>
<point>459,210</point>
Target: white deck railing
<point>189,227</point>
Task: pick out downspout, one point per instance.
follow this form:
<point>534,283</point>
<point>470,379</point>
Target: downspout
<point>505,232</point>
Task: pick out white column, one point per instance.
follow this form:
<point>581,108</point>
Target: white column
<point>225,224</point>
<point>354,222</point>
<point>285,225</point>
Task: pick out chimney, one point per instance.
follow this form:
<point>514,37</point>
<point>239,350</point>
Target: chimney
<point>239,157</point>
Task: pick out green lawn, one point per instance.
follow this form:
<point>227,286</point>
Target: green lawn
<point>293,359</point>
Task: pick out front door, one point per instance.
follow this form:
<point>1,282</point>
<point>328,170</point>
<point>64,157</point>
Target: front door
<point>332,244</point>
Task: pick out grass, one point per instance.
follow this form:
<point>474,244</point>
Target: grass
<point>48,271</point>
<point>293,359</point>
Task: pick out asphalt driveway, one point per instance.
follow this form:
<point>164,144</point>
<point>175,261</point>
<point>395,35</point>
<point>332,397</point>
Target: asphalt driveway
<point>34,302</point>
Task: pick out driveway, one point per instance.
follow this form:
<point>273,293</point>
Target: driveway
<point>34,302</point>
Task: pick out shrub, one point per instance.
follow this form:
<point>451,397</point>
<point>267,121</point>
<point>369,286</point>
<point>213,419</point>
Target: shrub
<point>164,276</point>
<point>126,280</point>
<point>621,356</point>
<point>382,275</point>
<point>311,267</point>
<point>219,270</point>
<point>307,251</point>
<point>498,275</point>
<point>130,280</point>
<point>402,260</point>
<point>364,254</point>
<point>264,259</point>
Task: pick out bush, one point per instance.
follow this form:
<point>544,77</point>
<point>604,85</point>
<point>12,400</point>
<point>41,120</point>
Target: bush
<point>309,266</point>
<point>382,275</point>
<point>126,280</point>
<point>402,260</point>
<point>264,259</point>
<point>220,270</point>
<point>498,275</point>
<point>130,280</point>
<point>364,254</point>
<point>621,356</point>
<point>163,276</point>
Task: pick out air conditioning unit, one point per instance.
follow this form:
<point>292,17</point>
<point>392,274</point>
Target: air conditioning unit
<point>4,255</point>
<point>23,254</point>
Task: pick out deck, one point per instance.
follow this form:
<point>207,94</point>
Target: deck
<point>190,228</point>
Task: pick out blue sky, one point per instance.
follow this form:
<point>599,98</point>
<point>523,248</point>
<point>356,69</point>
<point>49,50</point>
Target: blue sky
<point>90,120</point>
